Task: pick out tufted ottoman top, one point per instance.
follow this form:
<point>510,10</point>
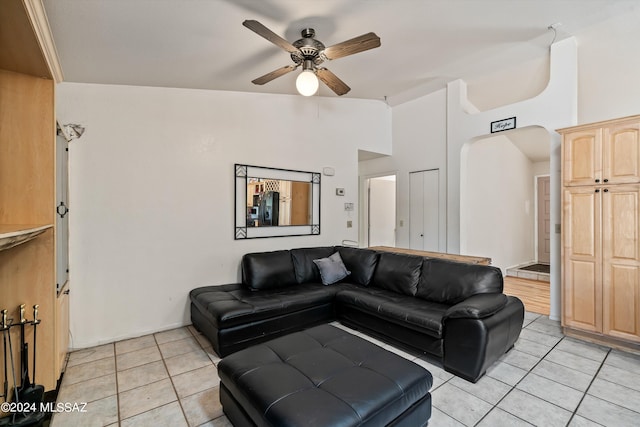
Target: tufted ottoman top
<point>324,376</point>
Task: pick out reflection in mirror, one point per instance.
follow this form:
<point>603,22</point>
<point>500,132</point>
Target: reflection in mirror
<point>276,202</point>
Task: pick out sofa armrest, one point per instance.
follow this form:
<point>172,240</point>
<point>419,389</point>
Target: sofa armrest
<point>472,344</point>
<point>477,307</point>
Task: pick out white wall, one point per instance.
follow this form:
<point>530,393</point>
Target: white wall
<point>151,191</point>
<point>500,189</point>
<point>419,143</point>
<point>609,66</point>
<point>541,168</point>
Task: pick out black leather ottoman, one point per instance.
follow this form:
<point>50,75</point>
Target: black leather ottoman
<point>323,376</point>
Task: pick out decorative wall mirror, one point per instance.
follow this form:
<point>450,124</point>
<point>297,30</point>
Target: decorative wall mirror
<point>274,202</point>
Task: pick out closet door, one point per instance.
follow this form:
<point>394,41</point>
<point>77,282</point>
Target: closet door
<point>621,261</point>
<point>582,269</point>
<point>424,210</point>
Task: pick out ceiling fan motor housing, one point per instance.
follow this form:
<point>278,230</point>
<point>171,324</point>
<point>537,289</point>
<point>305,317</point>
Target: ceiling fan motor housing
<point>309,48</point>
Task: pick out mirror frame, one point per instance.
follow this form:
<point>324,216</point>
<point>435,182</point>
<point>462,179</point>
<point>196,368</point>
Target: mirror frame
<point>242,175</point>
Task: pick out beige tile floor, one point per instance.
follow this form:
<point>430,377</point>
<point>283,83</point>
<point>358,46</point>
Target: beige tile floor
<point>170,379</point>
<point>164,379</point>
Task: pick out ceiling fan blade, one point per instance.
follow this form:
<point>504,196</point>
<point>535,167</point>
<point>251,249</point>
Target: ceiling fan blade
<point>355,45</point>
<point>331,80</point>
<point>274,74</point>
<point>263,31</point>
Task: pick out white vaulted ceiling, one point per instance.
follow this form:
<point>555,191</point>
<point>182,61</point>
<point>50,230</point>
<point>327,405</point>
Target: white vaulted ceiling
<point>202,43</point>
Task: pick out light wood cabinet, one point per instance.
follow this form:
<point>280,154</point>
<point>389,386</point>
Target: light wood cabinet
<point>601,232</point>
<point>27,186</point>
<point>621,261</point>
<point>582,164</point>
<point>582,292</point>
<point>602,153</point>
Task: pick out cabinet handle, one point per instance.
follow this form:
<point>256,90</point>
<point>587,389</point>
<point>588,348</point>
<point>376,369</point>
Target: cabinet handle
<point>62,210</point>
<point>606,190</point>
<point>597,180</point>
<point>605,180</point>
<point>597,190</point>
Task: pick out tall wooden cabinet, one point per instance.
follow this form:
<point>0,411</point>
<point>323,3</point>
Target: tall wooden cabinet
<point>601,231</point>
<point>28,72</point>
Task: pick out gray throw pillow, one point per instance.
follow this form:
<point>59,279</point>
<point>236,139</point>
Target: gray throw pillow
<point>332,269</point>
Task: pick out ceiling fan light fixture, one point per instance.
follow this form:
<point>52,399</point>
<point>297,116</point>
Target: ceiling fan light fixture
<point>307,83</point>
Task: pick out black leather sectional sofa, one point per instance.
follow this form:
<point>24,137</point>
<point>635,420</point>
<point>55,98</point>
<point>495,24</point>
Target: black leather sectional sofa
<point>454,312</point>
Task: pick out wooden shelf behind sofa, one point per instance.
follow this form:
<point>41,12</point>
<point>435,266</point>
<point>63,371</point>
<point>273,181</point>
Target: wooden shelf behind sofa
<point>453,257</point>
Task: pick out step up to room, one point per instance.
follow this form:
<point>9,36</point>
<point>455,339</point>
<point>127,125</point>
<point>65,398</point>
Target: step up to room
<point>531,271</point>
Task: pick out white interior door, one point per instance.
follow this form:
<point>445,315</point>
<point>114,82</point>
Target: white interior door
<point>424,210</point>
<point>382,211</point>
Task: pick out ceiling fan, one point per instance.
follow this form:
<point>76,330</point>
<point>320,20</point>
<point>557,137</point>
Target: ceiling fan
<point>310,53</point>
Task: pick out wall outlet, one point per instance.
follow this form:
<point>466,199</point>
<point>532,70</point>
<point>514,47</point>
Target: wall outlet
<point>349,224</point>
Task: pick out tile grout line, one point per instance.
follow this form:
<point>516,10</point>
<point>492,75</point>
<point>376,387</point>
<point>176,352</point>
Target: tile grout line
<point>164,363</point>
<point>153,382</point>
<point>588,387</point>
<point>519,381</point>
<point>115,364</point>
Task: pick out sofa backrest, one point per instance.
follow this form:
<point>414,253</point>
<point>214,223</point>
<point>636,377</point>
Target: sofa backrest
<point>432,279</point>
<point>268,270</point>
<point>360,262</point>
<point>450,282</point>
<point>398,273</point>
<point>305,269</point>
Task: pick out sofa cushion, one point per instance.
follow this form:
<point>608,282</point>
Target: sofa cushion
<point>418,314</point>
<point>450,282</point>
<point>360,262</point>
<point>398,273</point>
<point>305,269</point>
<point>332,269</point>
<point>229,306</point>
<point>268,270</point>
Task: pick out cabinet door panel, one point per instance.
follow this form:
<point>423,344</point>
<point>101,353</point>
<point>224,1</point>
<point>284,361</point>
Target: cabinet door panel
<point>583,309</point>
<point>582,159</point>
<point>582,269</point>
<point>621,154</point>
<point>621,262</point>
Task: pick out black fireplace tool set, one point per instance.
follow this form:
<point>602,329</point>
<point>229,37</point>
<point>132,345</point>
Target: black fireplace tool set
<point>25,407</point>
